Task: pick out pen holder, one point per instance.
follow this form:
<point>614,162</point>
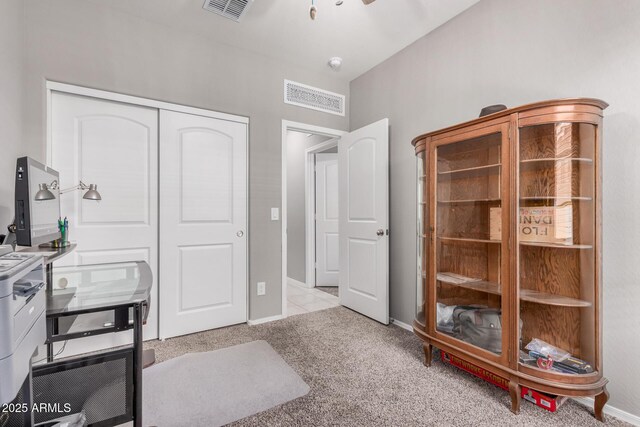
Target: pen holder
<point>63,233</point>
<point>62,242</point>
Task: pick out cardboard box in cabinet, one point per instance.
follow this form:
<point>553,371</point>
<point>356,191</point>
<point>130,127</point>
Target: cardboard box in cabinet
<point>545,224</point>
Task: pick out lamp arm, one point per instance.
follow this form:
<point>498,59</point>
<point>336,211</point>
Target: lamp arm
<point>75,187</point>
<point>80,186</point>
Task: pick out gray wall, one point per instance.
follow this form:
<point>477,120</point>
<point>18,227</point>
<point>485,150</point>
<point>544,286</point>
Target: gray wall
<point>11,68</point>
<point>87,44</point>
<point>297,143</point>
<point>515,52</point>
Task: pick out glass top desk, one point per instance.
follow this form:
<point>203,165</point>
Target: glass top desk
<point>89,288</point>
<point>106,385</point>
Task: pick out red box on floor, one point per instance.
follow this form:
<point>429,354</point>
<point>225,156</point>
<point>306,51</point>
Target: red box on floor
<point>546,401</point>
<point>475,370</point>
<point>550,402</point>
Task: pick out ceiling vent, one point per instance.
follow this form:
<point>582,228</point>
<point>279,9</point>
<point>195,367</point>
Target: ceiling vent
<point>232,9</point>
<point>313,98</point>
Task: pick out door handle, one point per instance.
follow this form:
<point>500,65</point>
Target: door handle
<point>380,232</point>
<point>240,233</point>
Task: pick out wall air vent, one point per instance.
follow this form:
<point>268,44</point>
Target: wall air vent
<point>313,98</point>
<point>232,9</point>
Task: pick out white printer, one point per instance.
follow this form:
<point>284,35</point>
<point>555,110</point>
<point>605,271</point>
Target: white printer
<point>22,318</point>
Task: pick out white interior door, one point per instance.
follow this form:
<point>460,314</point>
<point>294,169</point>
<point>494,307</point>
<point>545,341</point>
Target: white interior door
<point>203,223</point>
<point>363,161</point>
<point>115,146</point>
<point>327,247</point>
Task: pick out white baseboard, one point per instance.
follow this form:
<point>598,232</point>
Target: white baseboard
<point>265,320</point>
<point>297,282</point>
<point>403,325</point>
<point>610,410</point>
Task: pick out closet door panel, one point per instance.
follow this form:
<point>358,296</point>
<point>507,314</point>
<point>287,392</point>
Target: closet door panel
<point>115,146</point>
<point>203,223</point>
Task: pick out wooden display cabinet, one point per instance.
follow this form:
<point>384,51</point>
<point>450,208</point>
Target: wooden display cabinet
<point>509,227</point>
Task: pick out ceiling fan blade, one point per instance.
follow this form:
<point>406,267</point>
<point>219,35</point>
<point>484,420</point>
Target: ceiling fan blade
<point>368,1</point>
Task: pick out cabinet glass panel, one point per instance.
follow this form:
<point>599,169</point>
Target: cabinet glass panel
<point>556,240</point>
<point>421,238</point>
<point>467,249</point>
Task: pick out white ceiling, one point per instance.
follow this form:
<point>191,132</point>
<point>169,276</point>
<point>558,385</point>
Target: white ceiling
<point>362,35</point>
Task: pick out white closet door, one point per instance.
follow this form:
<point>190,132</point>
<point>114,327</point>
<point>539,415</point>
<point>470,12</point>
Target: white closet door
<point>115,146</point>
<point>203,223</point>
<point>327,247</point>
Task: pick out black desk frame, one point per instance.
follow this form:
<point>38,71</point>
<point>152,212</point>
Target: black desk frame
<point>121,323</point>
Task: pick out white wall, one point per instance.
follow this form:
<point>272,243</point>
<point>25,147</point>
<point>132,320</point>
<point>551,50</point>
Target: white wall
<point>11,61</point>
<point>514,52</point>
<point>91,44</point>
<point>297,143</point>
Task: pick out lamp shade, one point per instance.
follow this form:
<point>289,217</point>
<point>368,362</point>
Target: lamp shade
<point>44,193</point>
<point>92,193</point>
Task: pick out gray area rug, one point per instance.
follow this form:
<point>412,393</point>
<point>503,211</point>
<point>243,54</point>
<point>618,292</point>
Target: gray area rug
<point>333,290</point>
<point>362,373</point>
<point>218,387</point>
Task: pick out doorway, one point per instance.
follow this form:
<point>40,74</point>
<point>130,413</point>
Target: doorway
<point>302,144</point>
<point>363,216</point>
<point>312,222</point>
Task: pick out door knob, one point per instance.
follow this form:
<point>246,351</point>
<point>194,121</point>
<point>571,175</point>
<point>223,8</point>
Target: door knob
<point>240,233</point>
<point>380,232</point>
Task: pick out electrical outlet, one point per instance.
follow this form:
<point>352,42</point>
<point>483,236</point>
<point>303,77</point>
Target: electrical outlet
<point>262,288</point>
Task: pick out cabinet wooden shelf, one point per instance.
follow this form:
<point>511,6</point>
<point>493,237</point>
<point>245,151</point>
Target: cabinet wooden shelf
<point>500,209</point>
<point>525,294</point>
<point>550,299</point>
<point>465,201</point>
<point>557,159</point>
<point>466,239</point>
<point>552,162</point>
<point>567,198</point>
<point>556,245</point>
<point>479,285</point>
<point>471,172</point>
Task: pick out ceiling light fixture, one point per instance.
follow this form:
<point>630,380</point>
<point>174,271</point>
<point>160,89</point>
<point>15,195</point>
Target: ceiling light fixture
<point>335,63</point>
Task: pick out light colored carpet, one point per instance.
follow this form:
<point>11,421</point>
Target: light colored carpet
<point>218,387</point>
<point>333,290</point>
<point>362,373</point>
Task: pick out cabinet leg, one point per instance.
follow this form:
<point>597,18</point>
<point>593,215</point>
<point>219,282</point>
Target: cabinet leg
<point>428,354</point>
<point>514,391</point>
<point>599,403</point>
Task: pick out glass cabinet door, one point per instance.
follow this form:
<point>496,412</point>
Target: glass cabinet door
<point>421,272</point>
<point>468,240</point>
<point>556,240</point>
